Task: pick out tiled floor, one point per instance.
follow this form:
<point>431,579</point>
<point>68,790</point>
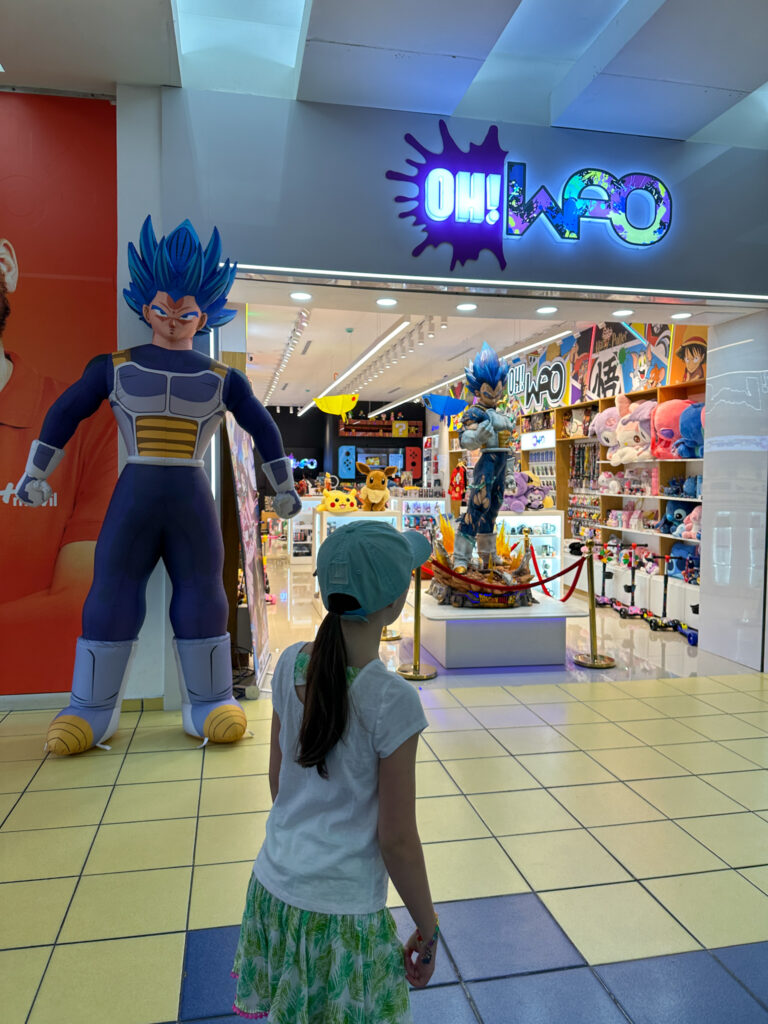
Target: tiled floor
<point>598,850</point>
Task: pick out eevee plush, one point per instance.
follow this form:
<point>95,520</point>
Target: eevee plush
<point>374,494</point>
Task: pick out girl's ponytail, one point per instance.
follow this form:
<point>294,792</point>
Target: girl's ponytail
<point>326,701</point>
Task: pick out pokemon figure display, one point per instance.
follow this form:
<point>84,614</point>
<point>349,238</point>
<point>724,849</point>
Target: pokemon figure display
<point>168,401</point>
<point>374,494</point>
<point>337,502</point>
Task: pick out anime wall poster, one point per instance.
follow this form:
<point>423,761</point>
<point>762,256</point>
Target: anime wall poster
<point>688,354</point>
<point>626,360</point>
<point>241,448</point>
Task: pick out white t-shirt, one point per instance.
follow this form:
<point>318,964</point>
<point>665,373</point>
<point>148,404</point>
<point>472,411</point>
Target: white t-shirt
<point>321,850</point>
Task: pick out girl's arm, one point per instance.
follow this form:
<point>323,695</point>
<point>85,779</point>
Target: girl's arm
<point>275,756</point>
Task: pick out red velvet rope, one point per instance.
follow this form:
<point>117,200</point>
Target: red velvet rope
<point>572,587</point>
<point>519,586</point>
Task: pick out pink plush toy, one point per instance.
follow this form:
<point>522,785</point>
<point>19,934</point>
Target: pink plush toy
<point>603,426</point>
<point>633,434</point>
<point>692,525</point>
<point>665,427</point>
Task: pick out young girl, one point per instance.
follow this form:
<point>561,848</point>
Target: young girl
<point>317,944</point>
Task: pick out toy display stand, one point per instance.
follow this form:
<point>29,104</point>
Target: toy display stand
<point>497,637</point>
<point>546,536</point>
<point>300,531</point>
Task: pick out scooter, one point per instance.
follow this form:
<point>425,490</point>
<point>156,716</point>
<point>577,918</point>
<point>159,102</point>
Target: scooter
<point>659,624</point>
<point>631,610</point>
<point>601,598</point>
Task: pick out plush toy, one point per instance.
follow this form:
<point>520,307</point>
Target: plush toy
<point>338,502</point>
<point>374,494</point>
<point>633,434</point>
<point>516,491</point>
<point>690,486</point>
<point>683,559</point>
<point>699,485</point>
<point>690,444</point>
<point>675,487</point>
<point>673,517</point>
<point>692,525</point>
<point>538,496</point>
<point>609,483</point>
<point>665,427</point>
<point>603,427</point>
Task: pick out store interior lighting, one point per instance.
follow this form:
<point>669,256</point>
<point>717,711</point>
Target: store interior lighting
<point>443,323</point>
<point>431,327</point>
<point>299,325</point>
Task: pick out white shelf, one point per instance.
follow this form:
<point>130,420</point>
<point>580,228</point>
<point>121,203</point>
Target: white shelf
<point>648,533</point>
<point>646,497</point>
<point>645,462</point>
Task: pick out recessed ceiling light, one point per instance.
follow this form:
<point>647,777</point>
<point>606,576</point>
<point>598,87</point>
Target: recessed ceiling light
<point>547,309</point>
<point>386,302</point>
<point>443,323</point>
<point>466,307</point>
<point>622,312</point>
<point>681,316</point>
<point>301,296</point>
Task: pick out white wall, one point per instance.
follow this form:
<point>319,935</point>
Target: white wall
<point>733,564</point>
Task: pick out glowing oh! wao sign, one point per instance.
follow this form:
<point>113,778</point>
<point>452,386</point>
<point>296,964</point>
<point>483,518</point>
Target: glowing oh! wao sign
<point>477,200</point>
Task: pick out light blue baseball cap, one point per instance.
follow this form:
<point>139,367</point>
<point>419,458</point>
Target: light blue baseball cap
<point>370,562</point>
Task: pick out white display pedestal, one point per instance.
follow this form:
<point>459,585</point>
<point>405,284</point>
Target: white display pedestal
<point>497,637</point>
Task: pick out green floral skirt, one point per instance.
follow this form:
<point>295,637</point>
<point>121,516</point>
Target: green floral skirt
<point>300,967</point>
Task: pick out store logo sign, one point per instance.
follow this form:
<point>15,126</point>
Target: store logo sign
<point>477,200</point>
<point>548,386</point>
<point>303,464</point>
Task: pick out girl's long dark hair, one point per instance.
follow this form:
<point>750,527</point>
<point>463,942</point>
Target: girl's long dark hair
<point>326,701</point>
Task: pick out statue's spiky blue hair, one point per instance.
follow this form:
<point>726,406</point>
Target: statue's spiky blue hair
<point>179,266</point>
<point>486,368</point>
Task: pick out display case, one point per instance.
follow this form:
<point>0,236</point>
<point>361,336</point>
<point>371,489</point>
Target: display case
<point>300,530</point>
<point>422,514</point>
<point>546,529</point>
<point>324,523</point>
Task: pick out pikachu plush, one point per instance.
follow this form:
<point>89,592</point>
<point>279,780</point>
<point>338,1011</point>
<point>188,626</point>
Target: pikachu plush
<point>337,502</point>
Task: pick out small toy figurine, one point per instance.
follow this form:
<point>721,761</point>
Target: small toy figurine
<point>482,426</point>
<point>335,501</point>
<point>374,493</point>
<point>168,401</point>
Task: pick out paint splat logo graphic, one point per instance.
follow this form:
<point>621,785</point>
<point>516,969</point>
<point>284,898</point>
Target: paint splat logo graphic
<point>459,201</point>
<point>458,197</point>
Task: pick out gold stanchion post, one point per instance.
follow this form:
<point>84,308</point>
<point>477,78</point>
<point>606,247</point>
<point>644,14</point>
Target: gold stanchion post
<point>593,659</point>
<point>415,672</point>
<point>388,635</point>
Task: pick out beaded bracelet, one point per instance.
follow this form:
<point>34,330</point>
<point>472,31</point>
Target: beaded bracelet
<point>426,955</point>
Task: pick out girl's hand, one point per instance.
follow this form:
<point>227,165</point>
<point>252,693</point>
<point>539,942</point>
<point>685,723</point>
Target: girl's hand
<point>418,974</point>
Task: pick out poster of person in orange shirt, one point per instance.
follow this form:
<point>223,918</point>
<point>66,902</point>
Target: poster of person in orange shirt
<point>58,240</point>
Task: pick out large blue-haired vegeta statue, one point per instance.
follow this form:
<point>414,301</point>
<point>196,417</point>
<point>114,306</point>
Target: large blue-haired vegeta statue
<point>168,401</point>
<point>482,426</point>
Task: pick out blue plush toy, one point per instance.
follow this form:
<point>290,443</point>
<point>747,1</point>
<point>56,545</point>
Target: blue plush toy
<point>672,520</point>
<point>690,486</point>
<point>682,557</point>
<point>691,442</point>
<point>674,487</point>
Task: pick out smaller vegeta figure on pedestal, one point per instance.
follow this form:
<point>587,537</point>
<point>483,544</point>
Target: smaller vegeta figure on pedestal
<point>168,401</point>
<point>482,426</point>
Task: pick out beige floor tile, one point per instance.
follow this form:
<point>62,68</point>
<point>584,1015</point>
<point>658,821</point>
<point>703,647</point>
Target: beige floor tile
<point>637,763</point>
<point>16,775</point>
<point>218,894</point>
<point>538,693</point>
<point>165,766</point>
<point>75,772</point>
<point>22,748</point>
<point>439,698</point>
<point>627,710</point>
<point>480,696</point>
<point>433,780</point>
<point>161,739</point>
<point>757,876</point>
<point>599,736</point>
<point>609,803</point>
<point>489,774</point>
<point>705,757</point>
<point>139,902</point>
<point>230,837</point>
<point>20,974</point>
<point>58,808</point>
<point>571,713</point>
<point>467,743</point>
<point>676,707</point>
<point>260,731</point>
<point>41,853</point>
<point>160,720</point>
<point>142,844</point>
<point>662,730</point>
<point>503,717</point>
<point>642,688</point>
<point>748,788</point>
<point>597,921</point>
<point>221,760</point>
<point>139,978</point>
<point>741,840</point>
<point>450,719</point>
<point>698,685</point>
<point>569,768</point>
<point>655,848</point>
<point>592,691</point>
<point>534,740</point>
<point>526,810</point>
<point>684,797</point>
<point>145,801</point>
<point>26,723</point>
<point>562,860</point>
<point>258,710</point>
<point>7,803</point>
<point>720,908</point>
<point>469,869</point>
<point>423,752</point>
<point>447,817</point>
<point>743,680</point>
<point>736,703</point>
<point>757,719</point>
<point>754,750</point>
<point>235,795</point>
<point>722,727</point>
<point>31,912</point>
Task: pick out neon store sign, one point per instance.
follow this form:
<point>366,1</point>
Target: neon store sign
<point>475,200</point>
